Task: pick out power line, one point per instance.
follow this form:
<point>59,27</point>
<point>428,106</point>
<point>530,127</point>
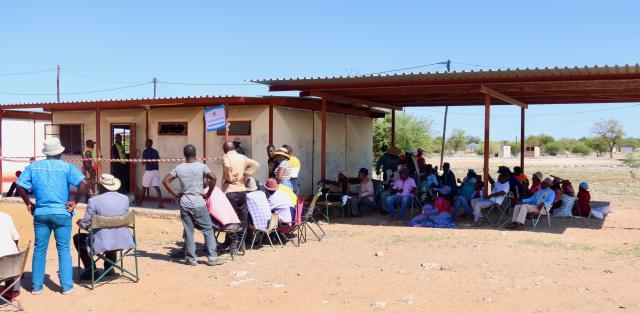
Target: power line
<point>407,68</point>
<point>478,65</point>
<point>99,79</point>
<point>26,73</point>
<point>72,93</point>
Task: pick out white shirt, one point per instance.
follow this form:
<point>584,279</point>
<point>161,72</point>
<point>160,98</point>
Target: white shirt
<point>498,187</point>
<point>8,235</point>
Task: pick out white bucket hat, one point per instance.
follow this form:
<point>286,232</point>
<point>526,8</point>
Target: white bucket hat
<point>52,146</point>
<point>110,182</point>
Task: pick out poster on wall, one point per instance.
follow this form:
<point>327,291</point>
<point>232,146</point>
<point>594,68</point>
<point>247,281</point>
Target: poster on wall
<point>214,118</point>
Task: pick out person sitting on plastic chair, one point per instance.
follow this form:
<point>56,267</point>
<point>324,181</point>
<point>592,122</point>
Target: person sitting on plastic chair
<point>500,190</point>
<point>534,204</point>
<point>363,195</point>
<point>405,188</point>
<point>106,241</point>
<point>9,245</point>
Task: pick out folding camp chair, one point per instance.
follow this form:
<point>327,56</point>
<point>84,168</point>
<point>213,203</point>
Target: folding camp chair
<point>12,267</point>
<point>272,227</point>
<point>502,211</point>
<point>535,216</point>
<point>308,219</point>
<point>235,229</point>
<point>109,222</point>
<point>295,226</point>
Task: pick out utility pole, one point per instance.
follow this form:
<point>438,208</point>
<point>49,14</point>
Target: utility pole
<point>444,128</point>
<point>58,84</point>
<point>155,81</point>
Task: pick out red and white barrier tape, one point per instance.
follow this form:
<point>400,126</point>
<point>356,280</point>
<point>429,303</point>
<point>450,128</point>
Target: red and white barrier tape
<point>175,160</point>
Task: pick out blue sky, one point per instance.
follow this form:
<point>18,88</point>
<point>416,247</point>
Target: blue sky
<point>124,43</point>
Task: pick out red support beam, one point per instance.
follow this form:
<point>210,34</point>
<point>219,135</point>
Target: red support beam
<point>34,140</point>
<point>522,143</point>
<point>323,158</point>
<point>204,136</point>
<point>270,124</point>
<point>487,146</point>
<point>393,128</point>
<point>226,119</point>
<point>98,141</point>
<point>1,153</point>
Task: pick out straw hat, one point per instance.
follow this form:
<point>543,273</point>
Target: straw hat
<point>282,152</point>
<point>271,184</point>
<point>52,146</point>
<point>110,182</point>
<point>538,175</point>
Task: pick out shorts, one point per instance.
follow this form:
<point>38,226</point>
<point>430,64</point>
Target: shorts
<point>151,179</point>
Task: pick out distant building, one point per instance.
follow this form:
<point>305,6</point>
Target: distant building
<point>627,150</point>
<point>532,151</point>
<point>472,147</point>
<point>505,152</point>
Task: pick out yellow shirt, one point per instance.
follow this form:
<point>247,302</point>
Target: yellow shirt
<point>294,162</point>
<point>289,193</point>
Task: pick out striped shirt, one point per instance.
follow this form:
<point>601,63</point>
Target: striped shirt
<point>286,167</point>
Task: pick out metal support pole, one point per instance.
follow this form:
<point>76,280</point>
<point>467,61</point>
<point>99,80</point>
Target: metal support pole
<point>522,147</point>
<point>487,146</point>
<point>155,81</point>
<point>393,128</point>
<point>270,124</point>
<point>444,135</point>
<point>58,85</point>
<point>323,157</point>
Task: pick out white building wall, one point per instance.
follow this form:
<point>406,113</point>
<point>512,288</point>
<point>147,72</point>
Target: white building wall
<point>336,140</point>
<point>18,141</point>
<point>359,143</point>
<point>295,128</point>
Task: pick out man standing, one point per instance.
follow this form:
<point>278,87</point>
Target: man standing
<point>88,169</point>
<point>151,177</point>
<point>193,209</point>
<point>388,161</point>
<point>272,162</point>
<point>364,194</point>
<point>50,179</point>
<point>107,241</point>
<point>119,168</point>
<point>295,165</point>
<point>235,168</point>
<point>534,204</point>
<point>403,189</point>
<point>236,144</point>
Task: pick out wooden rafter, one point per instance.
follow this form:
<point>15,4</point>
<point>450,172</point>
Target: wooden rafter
<point>496,94</point>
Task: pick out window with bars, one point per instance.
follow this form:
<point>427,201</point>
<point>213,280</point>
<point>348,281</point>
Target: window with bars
<point>71,136</point>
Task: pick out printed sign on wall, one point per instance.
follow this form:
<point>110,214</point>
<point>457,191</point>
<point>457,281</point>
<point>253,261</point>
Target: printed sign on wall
<point>214,118</point>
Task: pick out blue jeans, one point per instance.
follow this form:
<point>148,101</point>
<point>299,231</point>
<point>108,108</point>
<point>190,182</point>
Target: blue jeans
<point>354,205</point>
<point>197,218</point>
<point>295,186</point>
<point>392,201</point>
<point>461,203</point>
<point>60,224</point>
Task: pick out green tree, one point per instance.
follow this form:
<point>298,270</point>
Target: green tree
<point>610,132</point>
<point>457,141</point>
<point>581,148</point>
<point>411,132</point>
<point>554,148</point>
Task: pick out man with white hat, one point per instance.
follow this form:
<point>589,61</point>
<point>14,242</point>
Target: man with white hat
<point>50,180</point>
<point>109,203</point>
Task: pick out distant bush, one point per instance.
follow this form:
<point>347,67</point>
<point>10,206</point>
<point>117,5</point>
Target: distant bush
<point>635,163</point>
<point>581,148</point>
<point>554,148</point>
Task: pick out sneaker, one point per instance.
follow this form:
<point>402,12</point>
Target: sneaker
<point>192,262</point>
<point>214,262</point>
<point>36,292</point>
<point>68,292</point>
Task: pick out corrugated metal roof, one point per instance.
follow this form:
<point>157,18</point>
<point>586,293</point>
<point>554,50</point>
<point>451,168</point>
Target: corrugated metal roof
<point>458,75</point>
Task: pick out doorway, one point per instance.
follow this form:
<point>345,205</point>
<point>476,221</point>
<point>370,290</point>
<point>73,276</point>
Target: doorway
<point>125,171</point>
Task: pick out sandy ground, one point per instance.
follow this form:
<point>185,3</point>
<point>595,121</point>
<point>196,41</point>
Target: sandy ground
<point>371,264</point>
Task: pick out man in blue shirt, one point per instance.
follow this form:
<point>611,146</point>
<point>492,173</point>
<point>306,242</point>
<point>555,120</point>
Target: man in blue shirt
<point>151,177</point>
<point>50,180</point>
<point>543,197</point>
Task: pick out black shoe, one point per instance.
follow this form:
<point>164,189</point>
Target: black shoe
<point>86,274</point>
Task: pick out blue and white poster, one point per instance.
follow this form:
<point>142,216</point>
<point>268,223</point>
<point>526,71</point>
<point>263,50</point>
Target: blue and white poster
<point>214,118</point>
